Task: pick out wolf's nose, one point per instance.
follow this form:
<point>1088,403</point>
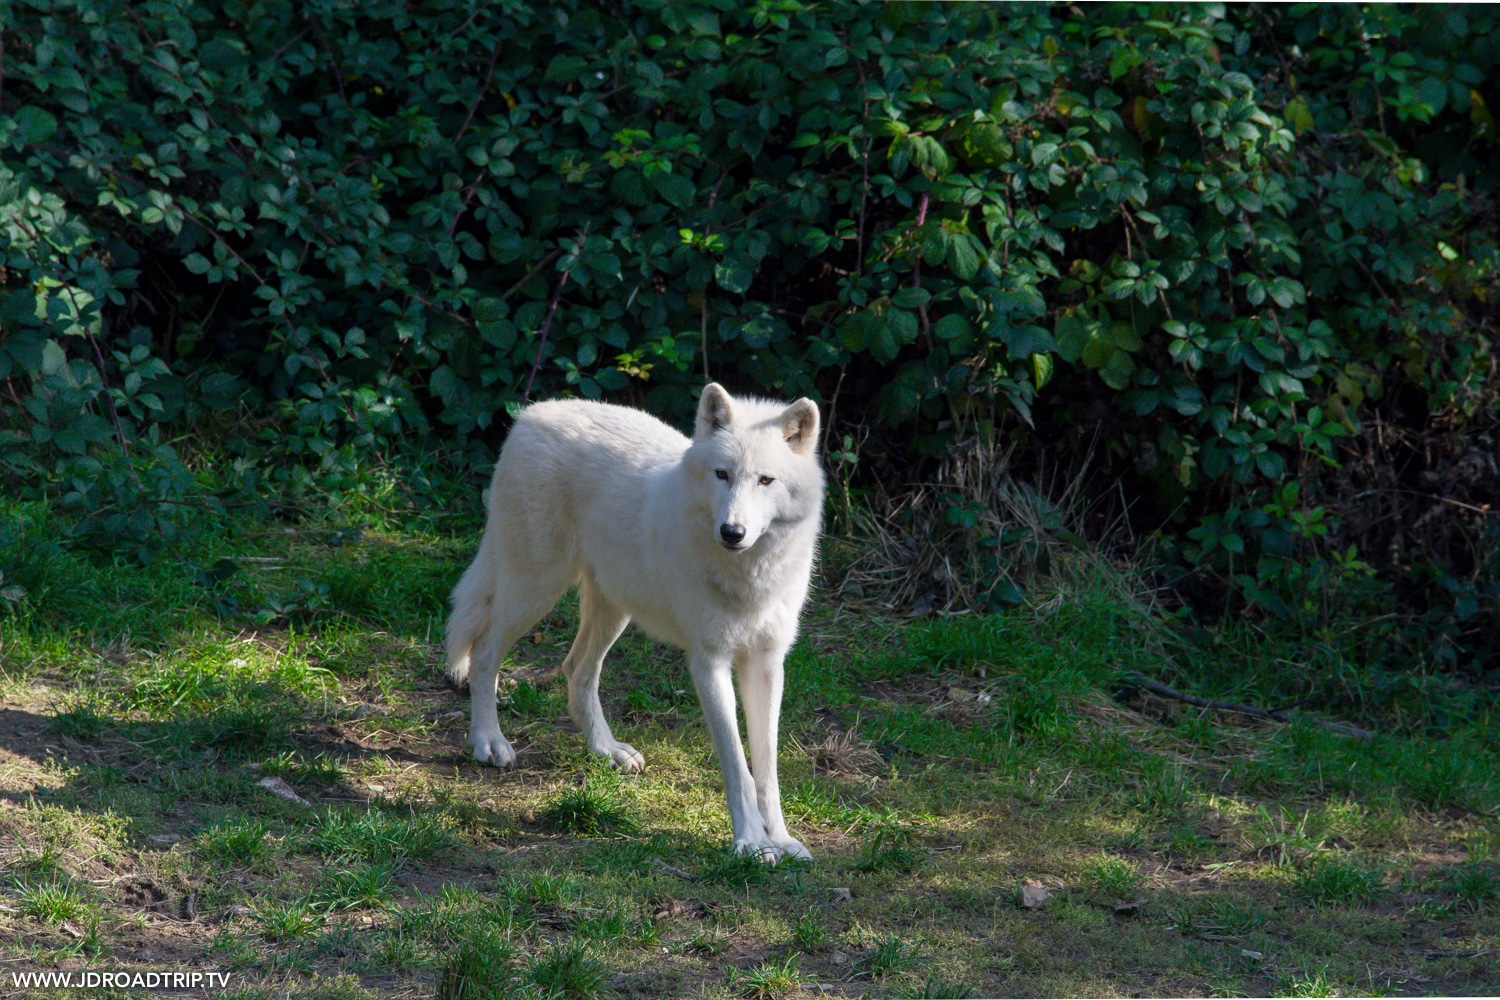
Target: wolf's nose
<point>732,533</point>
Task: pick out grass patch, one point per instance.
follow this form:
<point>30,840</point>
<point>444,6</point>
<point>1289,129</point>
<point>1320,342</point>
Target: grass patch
<point>930,766</point>
<point>359,886</point>
<point>770,980</point>
<point>285,920</point>
<point>481,968</point>
<point>811,932</point>
<point>890,847</point>
<point>568,971</point>
<point>237,842</point>
<point>593,809</point>
<point>1474,883</point>
<point>53,901</point>
<point>1112,877</point>
<point>1331,882</point>
<point>889,956</point>
<point>378,837</point>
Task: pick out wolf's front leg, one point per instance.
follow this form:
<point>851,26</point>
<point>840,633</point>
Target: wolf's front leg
<point>760,676</point>
<point>711,676</point>
<point>489,743</point>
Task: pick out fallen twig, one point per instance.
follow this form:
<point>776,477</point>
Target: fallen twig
<point>671,870</point>
<point>1258,713</point>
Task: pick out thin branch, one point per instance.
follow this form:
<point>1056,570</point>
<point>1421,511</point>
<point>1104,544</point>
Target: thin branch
<point>916,270</point>
<point>546,329</point>
<point>864,166</point>
<point>703,334</point>
<point>1257,713</point>
<point>513,289</point>
<point>672,870</point>
<point>488,75</point>
<point>333,60</point>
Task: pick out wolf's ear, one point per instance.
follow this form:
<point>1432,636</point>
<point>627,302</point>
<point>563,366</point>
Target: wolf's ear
<point>715,410</point>
<point>799,424</point>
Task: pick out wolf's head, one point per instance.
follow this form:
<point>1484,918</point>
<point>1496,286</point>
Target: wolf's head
<point>756,464</point>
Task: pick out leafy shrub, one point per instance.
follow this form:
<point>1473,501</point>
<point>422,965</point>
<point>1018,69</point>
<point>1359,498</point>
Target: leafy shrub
<point>1234,241</point>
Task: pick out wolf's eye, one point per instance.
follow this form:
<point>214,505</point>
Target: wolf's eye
<point>722,474</point>
<point>766,480</point>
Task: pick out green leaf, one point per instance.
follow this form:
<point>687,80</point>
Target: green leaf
<point>675,188</point>
<point>1041,367</point>
<point>53,358</point>
<point>34,125</point>
<point>735,275</point>
<point>1124,336</point>
<point>1117,370</point>
<point>963,258</point>
<point>1299,116</point>
<point>951,327</point>
<point>911,298</point>
<point>1071,335</point>
<point>565,68</point>
<point>1003,597</point>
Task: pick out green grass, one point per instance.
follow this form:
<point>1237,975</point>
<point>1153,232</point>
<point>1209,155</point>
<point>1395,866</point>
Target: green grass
<point>770,980</point>
<point>811,932</point>
<point>375,836</point>
<point>237,842</point>
<point>139,709</point>
<point>889,956</point>
<point>593,809</point>
<point>1113,877</point>
<point>568,971</point>
<point>1329,881</point>
<point>51,901</point>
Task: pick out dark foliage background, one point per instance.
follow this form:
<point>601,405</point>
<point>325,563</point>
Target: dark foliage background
<point>1243,256</point>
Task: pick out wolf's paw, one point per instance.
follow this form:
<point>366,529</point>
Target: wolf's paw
<point>793,849</point>
<point>770,852</point>
<point>625,757</point>
<point>492,748</point>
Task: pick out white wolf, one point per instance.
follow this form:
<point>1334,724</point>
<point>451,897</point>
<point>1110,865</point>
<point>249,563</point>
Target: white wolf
<point>707,544</point>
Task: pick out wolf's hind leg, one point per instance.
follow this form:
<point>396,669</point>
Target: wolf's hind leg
<point>600,624</point>
<point>517,607</point>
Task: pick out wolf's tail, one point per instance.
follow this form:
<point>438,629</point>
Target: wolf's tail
<point>473,604</point>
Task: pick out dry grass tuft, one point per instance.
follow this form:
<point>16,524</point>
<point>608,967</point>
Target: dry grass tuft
<point>841,753</point>
<point>974,538</point>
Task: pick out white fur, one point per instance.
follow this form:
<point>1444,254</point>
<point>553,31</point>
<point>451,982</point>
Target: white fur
<point>624,507</point>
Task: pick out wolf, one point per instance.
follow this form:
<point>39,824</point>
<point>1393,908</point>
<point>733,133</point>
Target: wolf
<point>707,544</point>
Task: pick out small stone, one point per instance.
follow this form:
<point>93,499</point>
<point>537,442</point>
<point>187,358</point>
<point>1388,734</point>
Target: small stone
<point>1033,895</point>
<point>240,910</point>
<point>374,787</point>
<point>166,838</point>
<point>144,955</point>
<point>841,894</point>
<point>279,788</point>
<point>529,816</point>
<point>839,958</point>
<point>1254,956</point>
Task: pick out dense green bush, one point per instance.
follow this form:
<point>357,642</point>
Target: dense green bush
<point>1250,250</point>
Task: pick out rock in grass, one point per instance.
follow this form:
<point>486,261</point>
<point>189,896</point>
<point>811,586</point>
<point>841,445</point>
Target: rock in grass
<point>1033,895</point>
<point>279,788</point>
